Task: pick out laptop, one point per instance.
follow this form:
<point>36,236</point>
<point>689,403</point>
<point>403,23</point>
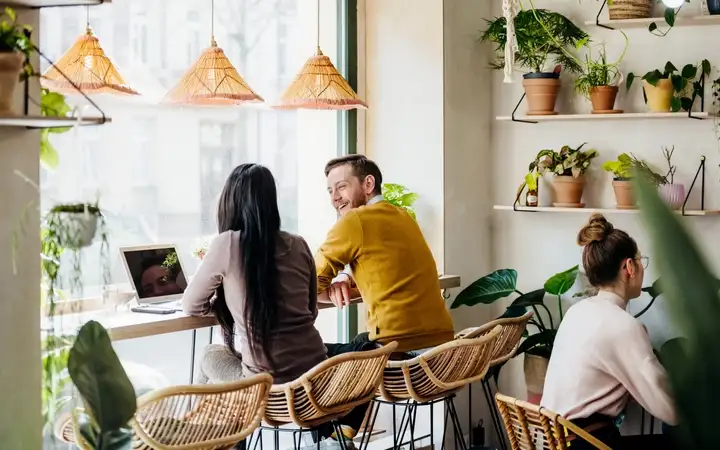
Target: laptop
<point>157,276</point>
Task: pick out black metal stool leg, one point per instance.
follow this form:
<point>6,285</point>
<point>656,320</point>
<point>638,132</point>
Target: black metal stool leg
<point>370,425</point>
<point>445,423</point>
<point>494,414</point>
<point>456,422</point>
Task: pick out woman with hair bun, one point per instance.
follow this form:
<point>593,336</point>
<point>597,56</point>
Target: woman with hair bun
<point>602,354</point>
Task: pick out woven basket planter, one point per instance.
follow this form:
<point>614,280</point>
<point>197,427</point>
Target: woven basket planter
<point>630,9</point>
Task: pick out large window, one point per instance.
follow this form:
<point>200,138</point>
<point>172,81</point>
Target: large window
<point>157,170</point>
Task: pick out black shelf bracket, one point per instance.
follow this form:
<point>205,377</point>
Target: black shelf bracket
<point>515,111</point>
<point>702,99</point>
<point>701,169</point>
<point>597,18</point>
<point>26,87</point>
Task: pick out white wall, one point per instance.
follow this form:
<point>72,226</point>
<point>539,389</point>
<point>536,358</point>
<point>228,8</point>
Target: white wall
<point>428,128</point>
<point>539,245</point>
<point>20,418</point>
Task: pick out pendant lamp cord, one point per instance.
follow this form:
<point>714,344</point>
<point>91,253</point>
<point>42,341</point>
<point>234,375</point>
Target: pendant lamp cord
<point>318,25</point>
<point>87,16</point>
<point>212,20</point>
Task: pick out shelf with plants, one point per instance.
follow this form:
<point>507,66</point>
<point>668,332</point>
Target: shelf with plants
<point>50,3</point>
<point>554,209</point>
<point>545,38</point>
<point>690,21</point>
<point>625,14</point>
<point>621,116</point>
<point>16,50</point>
<point>569,165</point>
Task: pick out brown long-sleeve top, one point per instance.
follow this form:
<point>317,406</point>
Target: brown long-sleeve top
<point>296,345</point>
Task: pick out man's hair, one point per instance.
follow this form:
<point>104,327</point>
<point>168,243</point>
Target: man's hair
<point>361,168</point>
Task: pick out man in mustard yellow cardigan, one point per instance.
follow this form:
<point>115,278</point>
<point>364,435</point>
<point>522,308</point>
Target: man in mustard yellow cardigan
<point>391,266</point>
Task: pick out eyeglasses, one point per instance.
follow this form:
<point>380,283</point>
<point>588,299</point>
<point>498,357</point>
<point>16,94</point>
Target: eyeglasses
<point>644,260</point>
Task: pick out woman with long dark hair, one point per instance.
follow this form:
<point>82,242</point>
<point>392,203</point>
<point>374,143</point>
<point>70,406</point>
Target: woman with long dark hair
<point>260,281</point>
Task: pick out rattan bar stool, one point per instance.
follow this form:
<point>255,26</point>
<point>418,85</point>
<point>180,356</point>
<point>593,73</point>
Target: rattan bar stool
<point>324,394</point>
<point>196,417</point>
<point>433,377</point>
<point>530,426</point>
<point>505,347</point>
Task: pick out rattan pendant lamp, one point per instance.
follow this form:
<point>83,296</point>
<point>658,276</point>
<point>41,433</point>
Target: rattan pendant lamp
<point>319,85</point>
<point>212,80</point>
<point>87,65</point>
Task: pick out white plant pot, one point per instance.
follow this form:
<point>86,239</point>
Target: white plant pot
<point>672,194</point>
<point>76,230</point>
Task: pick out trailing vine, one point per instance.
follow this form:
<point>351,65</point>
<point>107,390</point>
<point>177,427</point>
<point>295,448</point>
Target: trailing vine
<point>716,107</point>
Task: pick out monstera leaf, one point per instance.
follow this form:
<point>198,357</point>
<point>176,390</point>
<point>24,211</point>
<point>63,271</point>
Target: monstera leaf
<point>488,289</point>
<point>691,292</point>
<point>532,298</point>
<point>104,386</point>
<point>561,282</point>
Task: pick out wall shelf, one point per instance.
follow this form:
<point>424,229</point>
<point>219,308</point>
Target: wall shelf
<point>690,21</point>
<point>38,122</point>
<point>552,209</point>
<point>623,116</point>
<point>50,3</point>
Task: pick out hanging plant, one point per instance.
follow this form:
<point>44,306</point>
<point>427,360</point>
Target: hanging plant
<point>716,107</point>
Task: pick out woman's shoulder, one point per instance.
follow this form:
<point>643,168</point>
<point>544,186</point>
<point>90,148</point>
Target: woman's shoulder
<point>293,240</point>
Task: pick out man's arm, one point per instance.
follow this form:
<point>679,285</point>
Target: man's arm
<point>341,247</point>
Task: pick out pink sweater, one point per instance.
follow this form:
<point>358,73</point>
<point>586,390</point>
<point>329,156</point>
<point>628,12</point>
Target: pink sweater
<point>602,356</point>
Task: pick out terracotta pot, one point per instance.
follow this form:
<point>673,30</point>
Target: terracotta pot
<point>658,97</point>
<point>603,98</point>
<point>541,91</point>
<point>624,195</point>
<point>568,191</point>
<point>672,194</point>
<point>10,66</point>
<point>535,370</point>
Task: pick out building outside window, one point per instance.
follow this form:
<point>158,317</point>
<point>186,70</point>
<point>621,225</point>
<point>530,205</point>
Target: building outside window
<point>157,170</point>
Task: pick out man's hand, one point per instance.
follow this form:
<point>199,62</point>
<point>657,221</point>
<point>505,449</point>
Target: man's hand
<point>339,291</point>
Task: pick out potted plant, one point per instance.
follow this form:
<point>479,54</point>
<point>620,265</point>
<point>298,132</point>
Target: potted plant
<point>673,194</point>
<point>400,196</point>
<point>599,81</point>
<point>76,224</point>
<point>106,391</point>
<point>545,39</point>
<point>671,89</point>
<point>622,170</point>
<point>569,166</point>
<point>537,348</point>
<point>15,50</point>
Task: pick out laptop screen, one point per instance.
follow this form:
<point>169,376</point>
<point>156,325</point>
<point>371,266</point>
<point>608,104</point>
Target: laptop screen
<point>155,273</point>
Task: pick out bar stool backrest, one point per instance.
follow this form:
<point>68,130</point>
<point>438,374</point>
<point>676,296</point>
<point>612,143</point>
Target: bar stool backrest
<point>439,371</point>
<point>329,390</point>
<point>507,342</point>
<point>531,427</point>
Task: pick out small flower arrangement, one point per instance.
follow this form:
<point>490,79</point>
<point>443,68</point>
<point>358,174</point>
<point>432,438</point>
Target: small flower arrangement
<point>201,250</point>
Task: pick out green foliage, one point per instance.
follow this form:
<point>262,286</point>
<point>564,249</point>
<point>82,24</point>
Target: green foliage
<point>691,291</point>
<point>55,354</point>
<point>685,83</point>
<point>52,104</point>
<point>597,71</point>
<point>669,15</point>
<point>400,196</point>
<point>568,161</point>
<point>503,283</point>
<point>627,164</point>
<point>542,35</point>
<point>16,38</point>
<point>106,390</point>
<point>488,289</point>
<point>77,208</point>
